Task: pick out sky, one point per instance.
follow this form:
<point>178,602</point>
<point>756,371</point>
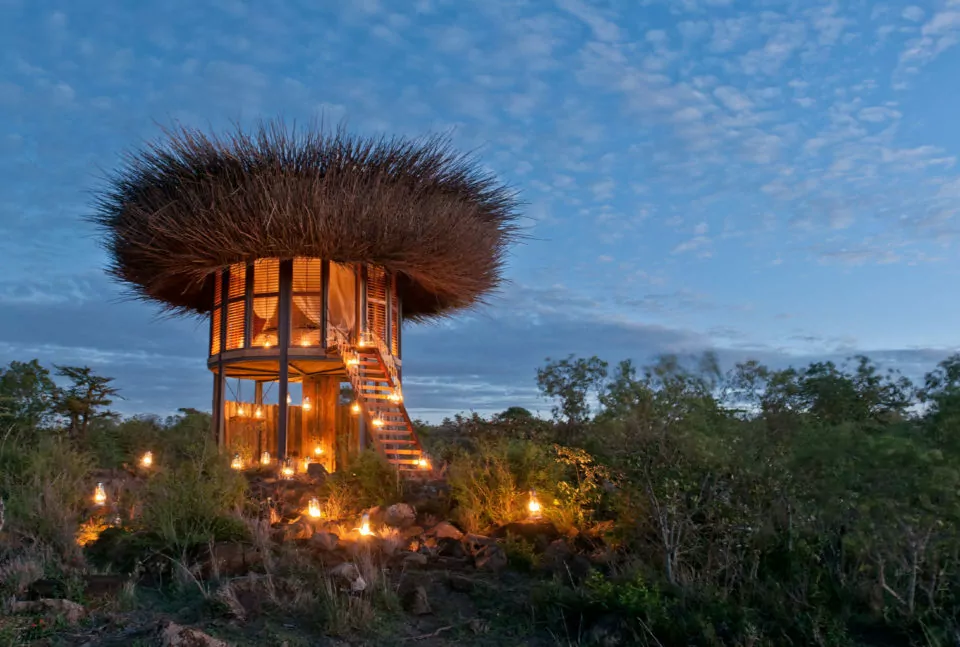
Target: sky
<point>768,179</point>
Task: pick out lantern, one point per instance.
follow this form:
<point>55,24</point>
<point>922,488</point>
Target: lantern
<point>237,462</point>
<point>306,463</point>
<point>355,408</point>
<point>534,505</point>
<point>258,413</point>
<point>395,397</point>
<point>241,412</point>
<point>289,400</point>
<point>365,525</point>
<point>265,458</point>
<point>313,508</point>
<point>423,463</point>
<point>147,459</point>
<point>318,451</point>
<point>99,494</point>
<point>288,468</point>
<point>307,405</point>
<point>378,422</point>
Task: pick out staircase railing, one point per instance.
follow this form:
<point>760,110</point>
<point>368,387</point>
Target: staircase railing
<point>386,356</point>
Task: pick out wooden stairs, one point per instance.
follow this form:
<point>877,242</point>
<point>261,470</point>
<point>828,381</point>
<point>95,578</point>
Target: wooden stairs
<point>375,381</point>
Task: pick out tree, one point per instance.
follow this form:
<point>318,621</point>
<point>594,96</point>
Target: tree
<point>84,400</point>
<point>572,382</point>
<point>27,395</point>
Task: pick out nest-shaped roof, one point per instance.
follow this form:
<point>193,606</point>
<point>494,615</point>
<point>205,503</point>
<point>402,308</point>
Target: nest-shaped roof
<point>184,207</point>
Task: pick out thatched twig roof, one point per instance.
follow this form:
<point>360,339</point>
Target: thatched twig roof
<point>186,206</point>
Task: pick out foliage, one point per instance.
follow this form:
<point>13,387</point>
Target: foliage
<point>194,501</point>
<point>572,381</point>
<point>368,481</point>
<point>84,399</point>
<point>27,396</point>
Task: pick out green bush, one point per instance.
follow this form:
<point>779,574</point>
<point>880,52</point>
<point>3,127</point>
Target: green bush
<point>368,481</point>
<point>45,487</point>
<point>194,501</point>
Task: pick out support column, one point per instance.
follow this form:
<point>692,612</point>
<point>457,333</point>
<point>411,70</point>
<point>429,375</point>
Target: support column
<point>328,392</point>
<point>258,404</point>
<point>219,425</point>
<point>283,341</point>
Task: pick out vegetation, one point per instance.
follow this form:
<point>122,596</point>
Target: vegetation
<point>813,506</point>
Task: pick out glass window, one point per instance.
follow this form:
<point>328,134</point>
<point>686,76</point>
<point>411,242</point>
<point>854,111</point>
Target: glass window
<point>266,290</point>
<point>235,324</point>
<point>306,316</point>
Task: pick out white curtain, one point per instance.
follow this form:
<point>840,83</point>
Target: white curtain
<point>343,297</point>
<point>265,279</point>
<point>303,271</point>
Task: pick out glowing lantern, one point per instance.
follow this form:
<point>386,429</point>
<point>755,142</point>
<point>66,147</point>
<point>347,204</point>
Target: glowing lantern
<point>423,463</point>
<point>313,508</point>
<point>355,408</point>
<point>365,525</point>
<point>288,399</point>
<point>533,505</point>
<point>258,413</point>
<point>241,412</point>
<point>378,422</point>
<point>117,520</point>
<point>307,405</point>
<point>395,396</point>
<point>99,494</point>
<point>306,463</point>
<point>265,458</point>
<point>288,468</point>
<point>237,462</point>
<point>147,459</point>
<point>304,341</point>
<point>352,361</point>
<point>266,344</point>
<point>318,451</point>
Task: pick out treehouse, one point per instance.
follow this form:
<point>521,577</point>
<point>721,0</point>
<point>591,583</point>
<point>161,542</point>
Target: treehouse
<point>307,252</point>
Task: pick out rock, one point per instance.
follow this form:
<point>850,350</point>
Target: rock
<point>450,548</point>
<point>417,602</point>
<point>491,558</point>
<point>317,473</point>
<point>230,559</point>
<point>478,626</point>
<point>415,559</point>
<point>475,543</point>
<point>560,559</point>
<point>173,635</point>
<point>606,632</point>
<point>326,541</point>
<point>445,530</point>
<point>411,532</point>
<point>349,574</point>
<point>400,515</point>
<point>461,583</point>
<point>297,530</point>
<point>52,609</point>
<point>540,533</point>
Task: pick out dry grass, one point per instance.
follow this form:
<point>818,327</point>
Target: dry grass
<point>187,206</point>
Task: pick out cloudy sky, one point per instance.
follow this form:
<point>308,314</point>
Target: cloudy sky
<point>774,179</point>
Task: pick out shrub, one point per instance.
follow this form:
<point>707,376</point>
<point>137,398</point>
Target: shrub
<point>368,481</point>
<point>194,501</point>
<point>45,489</point>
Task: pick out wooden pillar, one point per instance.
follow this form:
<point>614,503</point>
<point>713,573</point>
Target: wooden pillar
<point>219,423</point>
<point>259,422</point>
<point>283,341</point>
<point>326,389</point>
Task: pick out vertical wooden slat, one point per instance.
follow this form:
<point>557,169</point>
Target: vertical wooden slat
<point>286,280</point>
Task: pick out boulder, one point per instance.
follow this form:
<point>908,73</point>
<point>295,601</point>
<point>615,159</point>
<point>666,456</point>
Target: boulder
<point>52,610</point>
<point>445,530</point>
<point>174,635</point>
<point>349,575</point>
<point>317,473</point>
<point>417,602</point>
<point>414,559</point>
<point>473,544</point>
<point>325,541</point>
<point>539,533</point>
<point>400,515</point>
<point>297,530</point>
<point>491,558</point>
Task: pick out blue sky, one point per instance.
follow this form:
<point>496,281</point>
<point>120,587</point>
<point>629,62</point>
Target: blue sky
<point>769,179</point>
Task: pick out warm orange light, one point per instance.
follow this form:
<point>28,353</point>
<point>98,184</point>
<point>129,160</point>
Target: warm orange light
<point>288,468</point>
<point>258,413</point>
<point>307,405</point>
<point>313,508</point>
<point>533,505</point>
<point>355,408</point>
<point>365,525</point>
<point>318,450</point>
<point>423,463</point>
<point>395,396</point>
<point>265,458</point>
<point>306,463</point>
<point>288,399</point>
<point>266,344</point>
<point>378,422</point>
<point>147,459</point>
<point>99,494</point>
<point>240,411</point>
<point>304,341</point>
<point>237,462</point>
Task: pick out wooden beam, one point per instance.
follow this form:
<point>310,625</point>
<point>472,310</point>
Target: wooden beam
<point>283,341</point>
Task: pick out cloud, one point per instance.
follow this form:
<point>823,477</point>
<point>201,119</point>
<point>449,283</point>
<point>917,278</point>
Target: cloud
<point>913,13</point>
<point>602,28</point>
